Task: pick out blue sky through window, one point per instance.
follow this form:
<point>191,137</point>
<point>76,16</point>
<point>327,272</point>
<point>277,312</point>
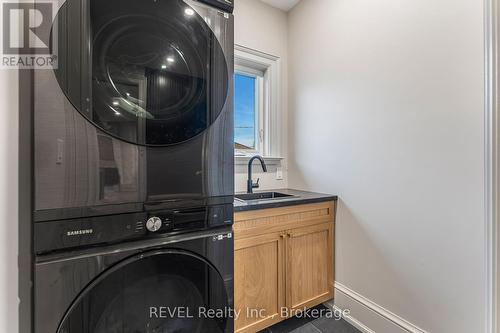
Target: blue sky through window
<point>244,110</point>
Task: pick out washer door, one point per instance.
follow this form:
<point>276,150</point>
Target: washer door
<point>160,291</point>
<point>149,72</point>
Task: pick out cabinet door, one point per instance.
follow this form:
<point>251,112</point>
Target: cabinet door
<point>258,281</point>
<point>309,266</point>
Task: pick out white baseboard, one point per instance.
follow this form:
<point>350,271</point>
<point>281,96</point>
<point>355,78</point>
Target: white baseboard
<point>351,320</point>
<point>367,316</point>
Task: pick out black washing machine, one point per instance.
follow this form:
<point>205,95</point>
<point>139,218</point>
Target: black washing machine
<point>133,168</point>
<point>166,278</point>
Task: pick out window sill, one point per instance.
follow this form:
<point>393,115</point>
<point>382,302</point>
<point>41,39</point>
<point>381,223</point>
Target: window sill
<point>270,160</point>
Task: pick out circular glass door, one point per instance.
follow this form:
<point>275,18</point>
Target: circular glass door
<point>149,72</point>
<point>157,292</point>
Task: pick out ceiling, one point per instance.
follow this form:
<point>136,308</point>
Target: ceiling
<point>285,5</point>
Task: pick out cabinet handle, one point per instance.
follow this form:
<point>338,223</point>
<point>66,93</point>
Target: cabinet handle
<point>282,235</point>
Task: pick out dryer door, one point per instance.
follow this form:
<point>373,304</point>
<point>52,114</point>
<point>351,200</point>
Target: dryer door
<point>159,291</point>
<point>149,72</point>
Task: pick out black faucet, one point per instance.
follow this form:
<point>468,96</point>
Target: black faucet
<point>250,184</point>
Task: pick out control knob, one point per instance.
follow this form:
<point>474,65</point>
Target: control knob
<point>153,224</point>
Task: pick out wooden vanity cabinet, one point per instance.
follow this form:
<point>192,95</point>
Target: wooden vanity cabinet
<point>283,259</point>
<point>258,276</point>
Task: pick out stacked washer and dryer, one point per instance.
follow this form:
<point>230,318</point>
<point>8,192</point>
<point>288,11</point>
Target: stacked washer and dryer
<point>133,169</point>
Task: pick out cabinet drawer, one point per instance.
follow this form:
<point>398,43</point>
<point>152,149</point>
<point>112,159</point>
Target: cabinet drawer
<point>253,223</point>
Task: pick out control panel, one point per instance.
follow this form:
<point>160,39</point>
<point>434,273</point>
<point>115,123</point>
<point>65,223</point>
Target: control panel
<point>76,233</point>
<point>189,219</point>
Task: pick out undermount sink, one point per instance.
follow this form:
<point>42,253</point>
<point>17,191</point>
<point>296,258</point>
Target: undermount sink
<point>263,196</point>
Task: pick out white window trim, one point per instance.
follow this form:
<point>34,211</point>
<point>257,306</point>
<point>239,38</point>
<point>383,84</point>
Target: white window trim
<point>267,68</point>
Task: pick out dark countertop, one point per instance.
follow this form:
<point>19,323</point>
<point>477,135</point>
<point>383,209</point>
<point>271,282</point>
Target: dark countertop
<point>300,197</point>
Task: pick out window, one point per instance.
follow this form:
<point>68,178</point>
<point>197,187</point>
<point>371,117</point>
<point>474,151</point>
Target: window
<point>257,113</point>
<point>246,112</point>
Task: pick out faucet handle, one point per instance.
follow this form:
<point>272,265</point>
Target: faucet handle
<point>256,184</point>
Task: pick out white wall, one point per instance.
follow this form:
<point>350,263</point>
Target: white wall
<point>263,28</point>
<point>386,110</point>
<point>8,200</point>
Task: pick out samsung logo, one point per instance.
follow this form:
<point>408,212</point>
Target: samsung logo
<point>79,232</point>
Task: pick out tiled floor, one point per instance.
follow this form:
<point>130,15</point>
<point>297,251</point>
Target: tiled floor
<point>305,325</point>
